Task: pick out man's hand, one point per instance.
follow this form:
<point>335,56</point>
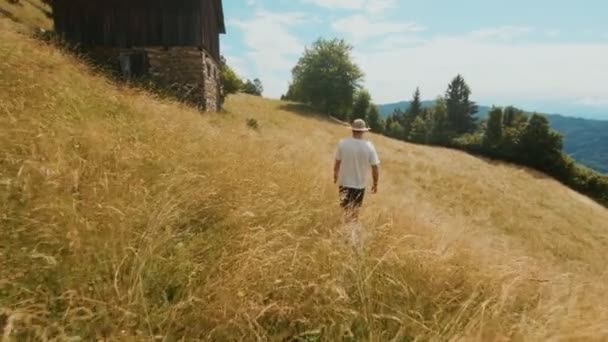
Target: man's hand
<point>376,174</point>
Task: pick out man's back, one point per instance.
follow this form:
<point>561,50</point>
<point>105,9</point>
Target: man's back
<point>355,156</point>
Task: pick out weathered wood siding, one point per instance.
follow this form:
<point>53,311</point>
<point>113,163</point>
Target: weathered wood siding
<point>127,23</point>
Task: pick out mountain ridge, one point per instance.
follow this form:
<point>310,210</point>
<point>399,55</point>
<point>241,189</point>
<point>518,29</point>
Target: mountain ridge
<point>585,140</point>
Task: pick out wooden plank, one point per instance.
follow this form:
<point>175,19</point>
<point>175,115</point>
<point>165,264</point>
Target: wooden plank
<point>126,23</point>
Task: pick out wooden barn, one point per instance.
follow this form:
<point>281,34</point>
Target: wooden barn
<point>174,42</point>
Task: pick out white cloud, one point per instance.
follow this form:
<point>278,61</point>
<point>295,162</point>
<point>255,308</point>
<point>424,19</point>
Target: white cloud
<point>338,4</point>
<point>396,42</point>
<point>503,33</point>
<point>378,6</point>
<point>497,70</point>
<point>359,28</point>
<point>370,6</point>
<point>272,48</point>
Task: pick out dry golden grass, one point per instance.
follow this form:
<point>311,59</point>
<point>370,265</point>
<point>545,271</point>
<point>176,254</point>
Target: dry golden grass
<point>29,13</point>
<point>127,217</point>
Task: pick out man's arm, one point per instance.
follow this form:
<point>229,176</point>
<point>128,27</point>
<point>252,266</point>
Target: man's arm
<point>375,162</point>
<point>338,159</point>
<point>376,175</point>
<point>337,170</point>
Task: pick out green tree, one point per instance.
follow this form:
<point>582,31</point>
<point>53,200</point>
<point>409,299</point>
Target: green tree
<point>493,134</point>
<point>393,127</point>
<point>231,83</point>
<point>407,118</point>
<point>326,77</point>
<point>361,106</point>
<point>419,131</point>
<point>438,121</point>
<point>374,121</point>
<point>513,117</point>
<point>397,115</point>
<point>460,109</point>
<point>415,105</point>
<point>258,86</point>
<point>387,123</point>
<point>253,87</point>
<point>539,146</point>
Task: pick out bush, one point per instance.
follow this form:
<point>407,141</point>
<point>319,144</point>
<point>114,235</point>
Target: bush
<point>589,182</point>
<point>252,123</point>
<point>254,87</point>
<point>231,83</point>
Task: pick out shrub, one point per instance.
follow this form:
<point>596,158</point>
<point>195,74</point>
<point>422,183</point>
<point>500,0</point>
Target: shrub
<point>252,123</point>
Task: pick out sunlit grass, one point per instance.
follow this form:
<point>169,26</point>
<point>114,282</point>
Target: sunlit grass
<point>31,14</point>
<point>127,217</point>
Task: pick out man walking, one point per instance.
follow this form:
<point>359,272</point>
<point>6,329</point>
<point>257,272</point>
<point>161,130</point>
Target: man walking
<point>354,157</point>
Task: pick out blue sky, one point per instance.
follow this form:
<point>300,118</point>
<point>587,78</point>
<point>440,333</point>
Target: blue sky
<point>549,56</point>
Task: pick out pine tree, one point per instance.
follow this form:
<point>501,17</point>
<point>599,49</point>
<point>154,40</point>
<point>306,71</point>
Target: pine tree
<point>374,121</point>
<point>460,109</point>
<point>415,105</point>
<point>361,105</point>
<point>493,134</point>
<point>407,118</point>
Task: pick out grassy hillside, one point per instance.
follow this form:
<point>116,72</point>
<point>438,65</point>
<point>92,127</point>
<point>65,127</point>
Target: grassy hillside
<point>585,140</point>
<point>128,217</point>
<point>30,14</point>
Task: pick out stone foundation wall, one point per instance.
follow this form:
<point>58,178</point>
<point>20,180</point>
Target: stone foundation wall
<point>188,73</point>
<point>212,82</point>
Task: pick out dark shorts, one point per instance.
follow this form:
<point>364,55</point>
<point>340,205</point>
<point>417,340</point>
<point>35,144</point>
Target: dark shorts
<point>351,198</point>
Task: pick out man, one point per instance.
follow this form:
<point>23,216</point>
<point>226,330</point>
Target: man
<point>354,157</point>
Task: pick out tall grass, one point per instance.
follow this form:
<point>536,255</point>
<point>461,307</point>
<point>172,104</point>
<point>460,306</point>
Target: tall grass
<point>30,14</point>
<point>127,217</point>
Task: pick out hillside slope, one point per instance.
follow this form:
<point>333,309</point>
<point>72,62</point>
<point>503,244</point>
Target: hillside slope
<point>128,217</point>
<point>31,15</point>
<point>585,140</point>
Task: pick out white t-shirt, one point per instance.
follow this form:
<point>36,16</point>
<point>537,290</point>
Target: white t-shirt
<point>356,157</point>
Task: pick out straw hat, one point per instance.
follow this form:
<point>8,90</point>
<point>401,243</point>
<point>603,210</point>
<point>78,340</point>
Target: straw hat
<point>359,126</point>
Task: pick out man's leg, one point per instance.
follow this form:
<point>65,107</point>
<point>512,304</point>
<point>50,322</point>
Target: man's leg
<point>356,202</point>
<point>346,203</point>
<point>351,201</point>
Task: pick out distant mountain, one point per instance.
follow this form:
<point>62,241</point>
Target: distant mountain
<point>585,140</point>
